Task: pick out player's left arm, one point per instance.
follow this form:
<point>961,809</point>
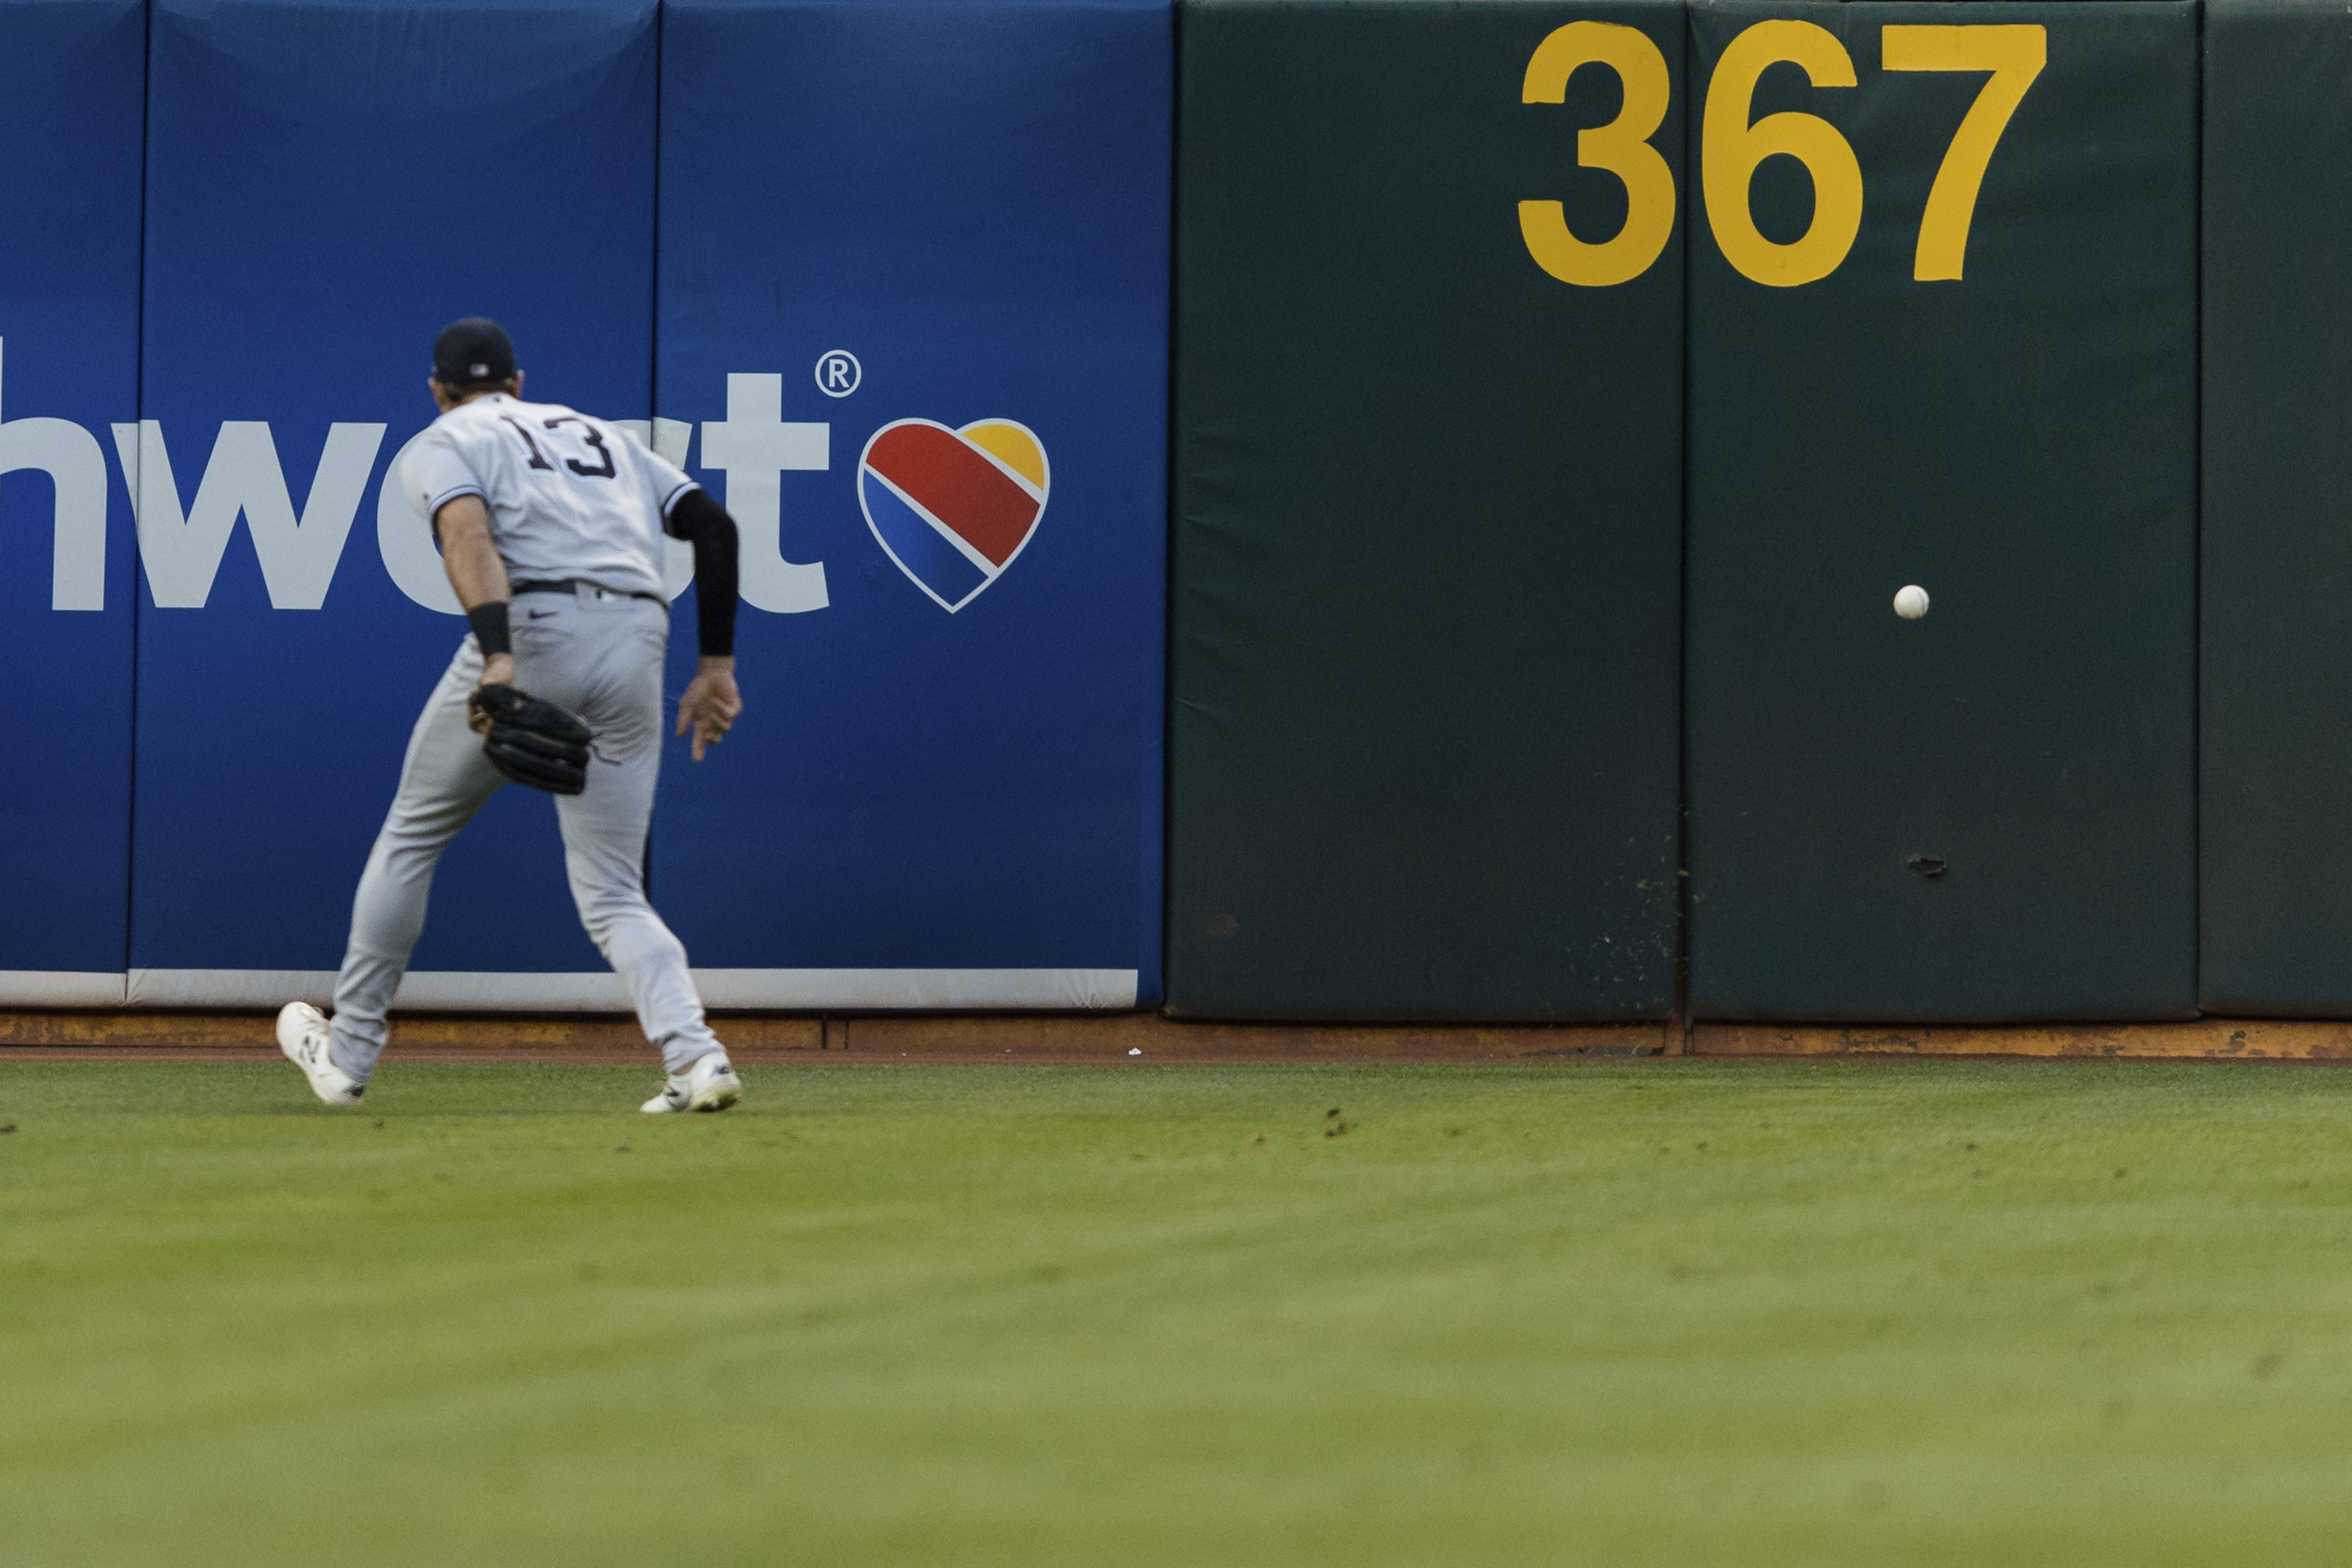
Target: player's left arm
<point>711,702</point>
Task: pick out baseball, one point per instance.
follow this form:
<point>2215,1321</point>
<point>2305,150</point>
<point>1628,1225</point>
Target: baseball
<point>1911,602</point>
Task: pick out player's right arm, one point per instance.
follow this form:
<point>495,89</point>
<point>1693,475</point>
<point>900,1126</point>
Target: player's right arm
<point>451,491</point>
<point>479,575</point>
<point>710,704</point>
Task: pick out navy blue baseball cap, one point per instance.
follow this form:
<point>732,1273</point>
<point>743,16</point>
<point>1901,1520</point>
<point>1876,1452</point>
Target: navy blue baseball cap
<point>471,351</point>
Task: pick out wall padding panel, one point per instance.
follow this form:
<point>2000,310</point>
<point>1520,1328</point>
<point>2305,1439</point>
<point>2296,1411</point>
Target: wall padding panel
<point>1989,812</point>
<point>71,86</point>
<point>1427,517</point>
<point>328,184</point>
<point>914,308</point>
<point>2275,884</point>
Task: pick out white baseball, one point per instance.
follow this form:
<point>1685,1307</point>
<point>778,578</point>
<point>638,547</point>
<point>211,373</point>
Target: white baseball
<point>1911,602</point>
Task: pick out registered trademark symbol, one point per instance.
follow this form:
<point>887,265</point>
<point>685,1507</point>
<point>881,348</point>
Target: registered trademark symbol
<point>838,372</point>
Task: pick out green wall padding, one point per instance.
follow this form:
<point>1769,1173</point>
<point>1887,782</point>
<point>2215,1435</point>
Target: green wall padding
<point>2276,666</point>
<point>2021,441</point>
<point>1427,526</point>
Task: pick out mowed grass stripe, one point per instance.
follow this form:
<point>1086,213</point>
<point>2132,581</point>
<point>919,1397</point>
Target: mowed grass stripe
<point>1639,1312</point>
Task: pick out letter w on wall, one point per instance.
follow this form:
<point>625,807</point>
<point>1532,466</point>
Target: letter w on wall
<point>182,550</point>
<point>78,525</point>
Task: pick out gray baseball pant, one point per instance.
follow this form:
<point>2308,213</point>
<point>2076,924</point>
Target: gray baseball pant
<point>599,655</point>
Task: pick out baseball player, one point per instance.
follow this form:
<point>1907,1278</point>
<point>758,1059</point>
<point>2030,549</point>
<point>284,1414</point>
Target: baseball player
<point>550,526</point>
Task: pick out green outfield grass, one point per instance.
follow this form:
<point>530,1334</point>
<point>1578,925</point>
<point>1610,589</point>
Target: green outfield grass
<point>1687,1314</point>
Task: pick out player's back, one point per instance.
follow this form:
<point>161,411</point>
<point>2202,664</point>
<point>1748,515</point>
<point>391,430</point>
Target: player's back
<point>568,496</point>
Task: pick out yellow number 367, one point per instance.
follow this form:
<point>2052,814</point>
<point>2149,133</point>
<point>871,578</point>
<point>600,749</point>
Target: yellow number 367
<point>1731,146</point>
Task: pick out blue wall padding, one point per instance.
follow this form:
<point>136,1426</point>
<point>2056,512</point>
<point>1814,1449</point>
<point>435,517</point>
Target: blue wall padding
<point>328,185</point>
<point>72,80</point>
<point>973,200</point>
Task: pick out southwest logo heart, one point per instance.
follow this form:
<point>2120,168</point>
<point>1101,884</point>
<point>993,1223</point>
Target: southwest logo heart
<point>953,508</point>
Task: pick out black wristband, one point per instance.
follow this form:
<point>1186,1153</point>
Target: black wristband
<point>489,622</point>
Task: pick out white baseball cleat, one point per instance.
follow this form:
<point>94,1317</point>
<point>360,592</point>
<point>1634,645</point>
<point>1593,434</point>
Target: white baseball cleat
<point>709,1084</point>
<point>303,1035</point>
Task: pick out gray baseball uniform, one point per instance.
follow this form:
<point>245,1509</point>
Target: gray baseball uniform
<point>571,499</point>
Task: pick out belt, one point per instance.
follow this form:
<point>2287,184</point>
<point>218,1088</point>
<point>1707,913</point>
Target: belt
<point>569,585</point>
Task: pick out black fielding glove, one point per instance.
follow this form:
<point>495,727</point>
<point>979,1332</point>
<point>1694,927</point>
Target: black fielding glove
<point>531,742</point>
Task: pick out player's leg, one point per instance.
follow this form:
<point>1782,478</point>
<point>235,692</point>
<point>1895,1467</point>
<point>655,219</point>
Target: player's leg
<point>612,675</point>
<point>444,779</point>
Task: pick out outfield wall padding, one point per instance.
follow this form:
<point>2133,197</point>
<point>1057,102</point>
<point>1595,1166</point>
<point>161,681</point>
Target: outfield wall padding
<point>1526,456</point>
<point>2276,871</point>
<point>1427,520</point>
<point>1986,814</point>
<point>884,227</point>
<point>71,86</point>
